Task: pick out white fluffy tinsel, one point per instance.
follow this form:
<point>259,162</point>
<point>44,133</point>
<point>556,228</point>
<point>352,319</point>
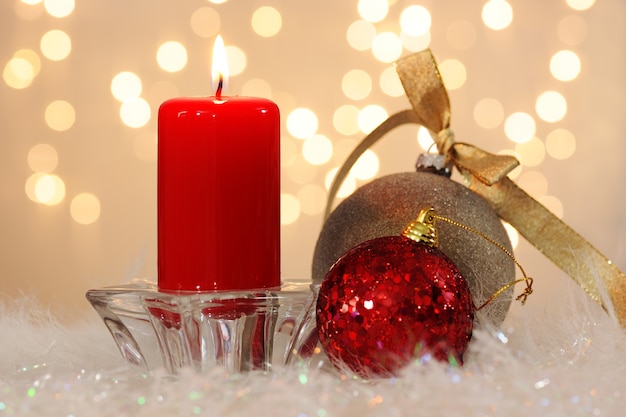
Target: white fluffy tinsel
<point>564,361</point>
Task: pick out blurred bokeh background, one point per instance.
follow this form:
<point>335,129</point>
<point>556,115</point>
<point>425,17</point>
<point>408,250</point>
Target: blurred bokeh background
<point>82,82</point>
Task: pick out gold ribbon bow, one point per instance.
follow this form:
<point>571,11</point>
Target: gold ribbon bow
<point>486,174</point>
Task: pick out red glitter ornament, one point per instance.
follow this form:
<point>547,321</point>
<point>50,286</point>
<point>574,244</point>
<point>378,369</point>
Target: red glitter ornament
<point>391,300</point>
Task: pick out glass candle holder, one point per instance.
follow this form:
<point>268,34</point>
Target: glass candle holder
<point>240,330</point>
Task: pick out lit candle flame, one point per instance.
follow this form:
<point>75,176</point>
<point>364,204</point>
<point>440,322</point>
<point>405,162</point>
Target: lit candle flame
<point>219,67</point>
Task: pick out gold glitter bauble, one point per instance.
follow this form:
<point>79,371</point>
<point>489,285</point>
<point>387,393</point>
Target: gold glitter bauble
<point>387,205</point>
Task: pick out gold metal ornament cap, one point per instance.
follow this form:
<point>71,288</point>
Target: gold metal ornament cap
<point>423,228</point>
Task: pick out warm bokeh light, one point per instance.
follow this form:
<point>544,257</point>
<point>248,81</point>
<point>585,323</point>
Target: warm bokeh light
<point>172,56</point>
<point>390,82</point>
<point>126,85</point>
<point>59,8</point>
<point>237,60</point>
<point>370,117</point>
<point>488,113</point>
<point>461,35</point>
<point>531,153</point>
<point>415,20</point>
<point>21,69</point>
<point>49,190</point>
<point>551,106</point>
<point>218,1</point>
<point>257,87</point>
<point>32,58</point>
<point>266,21</point>
<point>373,10</point>
<point>312,199</point>
<point>347,187</point>
<point>580,4</point>
<point>60,115</point>
<point>135,112</point>
<point>342,149</point>
<point>289,209</point>
<point>565,65</point>
<point>453,73</point>
<point>317,149</point>
<point>497,14</point>
<point>55,45</point>
<point>360,35</point>
<point>31,182</point>
<point>18,73</point>
<point>300,171</point>
<point>302,123</point>
<point>534,183</point>
<point>31,2</point>
<point>520,127</point>
<point>560,144</point>
<point>415,43</point>
<point>345,119</point>
<point>205,22</point>
<point>424,139</point>
<point>512,233</point>
<point>85,208</point>
<point>42,158</point>
<point>366,167</point>
<point>27,12</point>
<point>356,84</point>
<point>387,47</point>
<point>572,30</point>
<point>288,151</point>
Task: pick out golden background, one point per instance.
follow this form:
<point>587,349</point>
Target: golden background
<point>78,181</point>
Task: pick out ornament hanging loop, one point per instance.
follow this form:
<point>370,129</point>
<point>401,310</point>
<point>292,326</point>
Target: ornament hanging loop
<point>528,280</point>
<point>423,229</point>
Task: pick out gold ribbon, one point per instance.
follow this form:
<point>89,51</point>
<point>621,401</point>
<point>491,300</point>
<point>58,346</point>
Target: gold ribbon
<point>486,174</point>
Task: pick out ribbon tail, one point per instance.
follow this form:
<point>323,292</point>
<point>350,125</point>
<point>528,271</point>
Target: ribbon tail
<point>558,242</point>
<point>485,166</point>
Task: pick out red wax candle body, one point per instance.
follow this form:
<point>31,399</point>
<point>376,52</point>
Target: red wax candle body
<point>218,194</point>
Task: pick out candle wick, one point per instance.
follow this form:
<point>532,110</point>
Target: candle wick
<point>220,84</point>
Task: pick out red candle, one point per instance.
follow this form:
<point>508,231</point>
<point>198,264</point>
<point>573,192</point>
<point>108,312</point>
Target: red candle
<point>218,193</point>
